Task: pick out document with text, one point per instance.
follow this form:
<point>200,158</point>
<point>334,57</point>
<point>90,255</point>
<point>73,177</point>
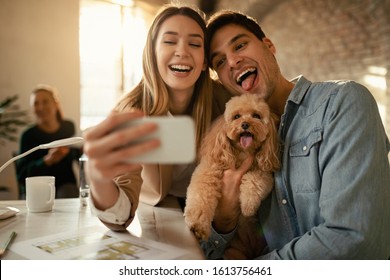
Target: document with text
<point>95,243</point>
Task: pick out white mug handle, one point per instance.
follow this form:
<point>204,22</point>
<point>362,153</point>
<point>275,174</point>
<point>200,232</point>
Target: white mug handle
<point>52,194</point>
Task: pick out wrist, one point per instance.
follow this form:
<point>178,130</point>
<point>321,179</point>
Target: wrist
<point>104,196</point>
<point>224,226</point>
<point>226,219</point>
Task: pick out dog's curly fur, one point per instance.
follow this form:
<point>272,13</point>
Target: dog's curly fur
<point>246,128</point>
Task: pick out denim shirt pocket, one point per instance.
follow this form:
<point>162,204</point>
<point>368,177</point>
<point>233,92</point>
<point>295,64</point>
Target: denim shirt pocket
<point>303,161</point>
<point>303,147</point>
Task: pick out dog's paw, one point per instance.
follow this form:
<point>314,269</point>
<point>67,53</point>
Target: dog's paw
<point>250,202</point>
<point>249,209</point>
<point>200,229</point>
<point>201,232</point>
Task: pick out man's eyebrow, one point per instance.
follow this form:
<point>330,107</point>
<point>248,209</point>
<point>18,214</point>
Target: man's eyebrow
<point>231,42</point>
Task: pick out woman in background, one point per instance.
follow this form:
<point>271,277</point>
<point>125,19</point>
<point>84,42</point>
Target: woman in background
<point>176,81</point>
<point>50,126</point>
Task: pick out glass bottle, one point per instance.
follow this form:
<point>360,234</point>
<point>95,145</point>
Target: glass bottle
<point>84,182</point>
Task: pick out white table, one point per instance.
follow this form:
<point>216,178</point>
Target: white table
<point>164,224</point>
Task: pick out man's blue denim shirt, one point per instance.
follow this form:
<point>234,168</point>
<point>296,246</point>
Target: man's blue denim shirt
<point>331,198</point>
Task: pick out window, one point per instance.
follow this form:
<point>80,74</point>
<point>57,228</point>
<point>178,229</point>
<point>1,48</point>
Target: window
<point>112,39</point>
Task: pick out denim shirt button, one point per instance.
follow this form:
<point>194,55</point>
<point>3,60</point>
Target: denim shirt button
<point>284,201</point>
<point>304,148</point>
<point>216,242</point>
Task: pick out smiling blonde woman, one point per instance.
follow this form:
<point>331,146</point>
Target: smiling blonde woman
<point>176,81</point>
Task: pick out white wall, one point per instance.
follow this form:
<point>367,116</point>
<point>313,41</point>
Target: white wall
<point>38,44</point>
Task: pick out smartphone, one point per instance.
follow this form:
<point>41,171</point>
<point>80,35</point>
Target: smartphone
<point>177,140</point>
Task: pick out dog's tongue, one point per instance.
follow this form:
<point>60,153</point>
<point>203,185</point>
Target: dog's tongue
<point>248,82</point>
<point>245,141</point>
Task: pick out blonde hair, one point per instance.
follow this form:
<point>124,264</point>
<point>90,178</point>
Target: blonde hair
<point>151,94</point>
<point>54,94</point>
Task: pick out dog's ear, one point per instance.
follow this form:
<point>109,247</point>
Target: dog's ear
<point>268,157</point>
<point>216,146</point>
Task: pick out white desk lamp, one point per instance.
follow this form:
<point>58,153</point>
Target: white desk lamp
<point>54,144</point>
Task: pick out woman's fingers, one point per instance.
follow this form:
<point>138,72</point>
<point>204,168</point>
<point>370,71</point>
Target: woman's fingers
<point>112,121</point>
<point>108,147</point>
<point>115,162</point>
<point>103,139</point>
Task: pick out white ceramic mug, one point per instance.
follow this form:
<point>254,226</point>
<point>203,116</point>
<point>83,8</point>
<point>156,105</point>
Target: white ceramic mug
<point>40,193</point>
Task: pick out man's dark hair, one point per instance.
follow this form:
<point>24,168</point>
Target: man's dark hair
<point>225,17</point>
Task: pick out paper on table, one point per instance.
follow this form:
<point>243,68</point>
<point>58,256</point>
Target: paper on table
<point>95,243</point>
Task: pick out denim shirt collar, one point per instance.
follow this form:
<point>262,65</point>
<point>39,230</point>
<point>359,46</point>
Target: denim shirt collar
<point>299,90</point>
<point>293,101</point>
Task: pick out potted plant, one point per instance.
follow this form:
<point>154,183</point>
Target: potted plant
<point>11,117</point>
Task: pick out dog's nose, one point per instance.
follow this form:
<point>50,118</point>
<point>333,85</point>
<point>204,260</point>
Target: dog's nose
<point>245,125</point>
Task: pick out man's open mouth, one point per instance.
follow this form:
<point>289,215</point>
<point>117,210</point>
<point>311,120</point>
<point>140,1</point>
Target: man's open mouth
<point>247,78</point>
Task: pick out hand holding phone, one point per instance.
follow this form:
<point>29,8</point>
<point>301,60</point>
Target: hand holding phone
<point>177,138</point>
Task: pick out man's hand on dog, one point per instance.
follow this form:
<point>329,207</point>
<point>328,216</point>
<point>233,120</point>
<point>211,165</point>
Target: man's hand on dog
<point>228,209</point>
